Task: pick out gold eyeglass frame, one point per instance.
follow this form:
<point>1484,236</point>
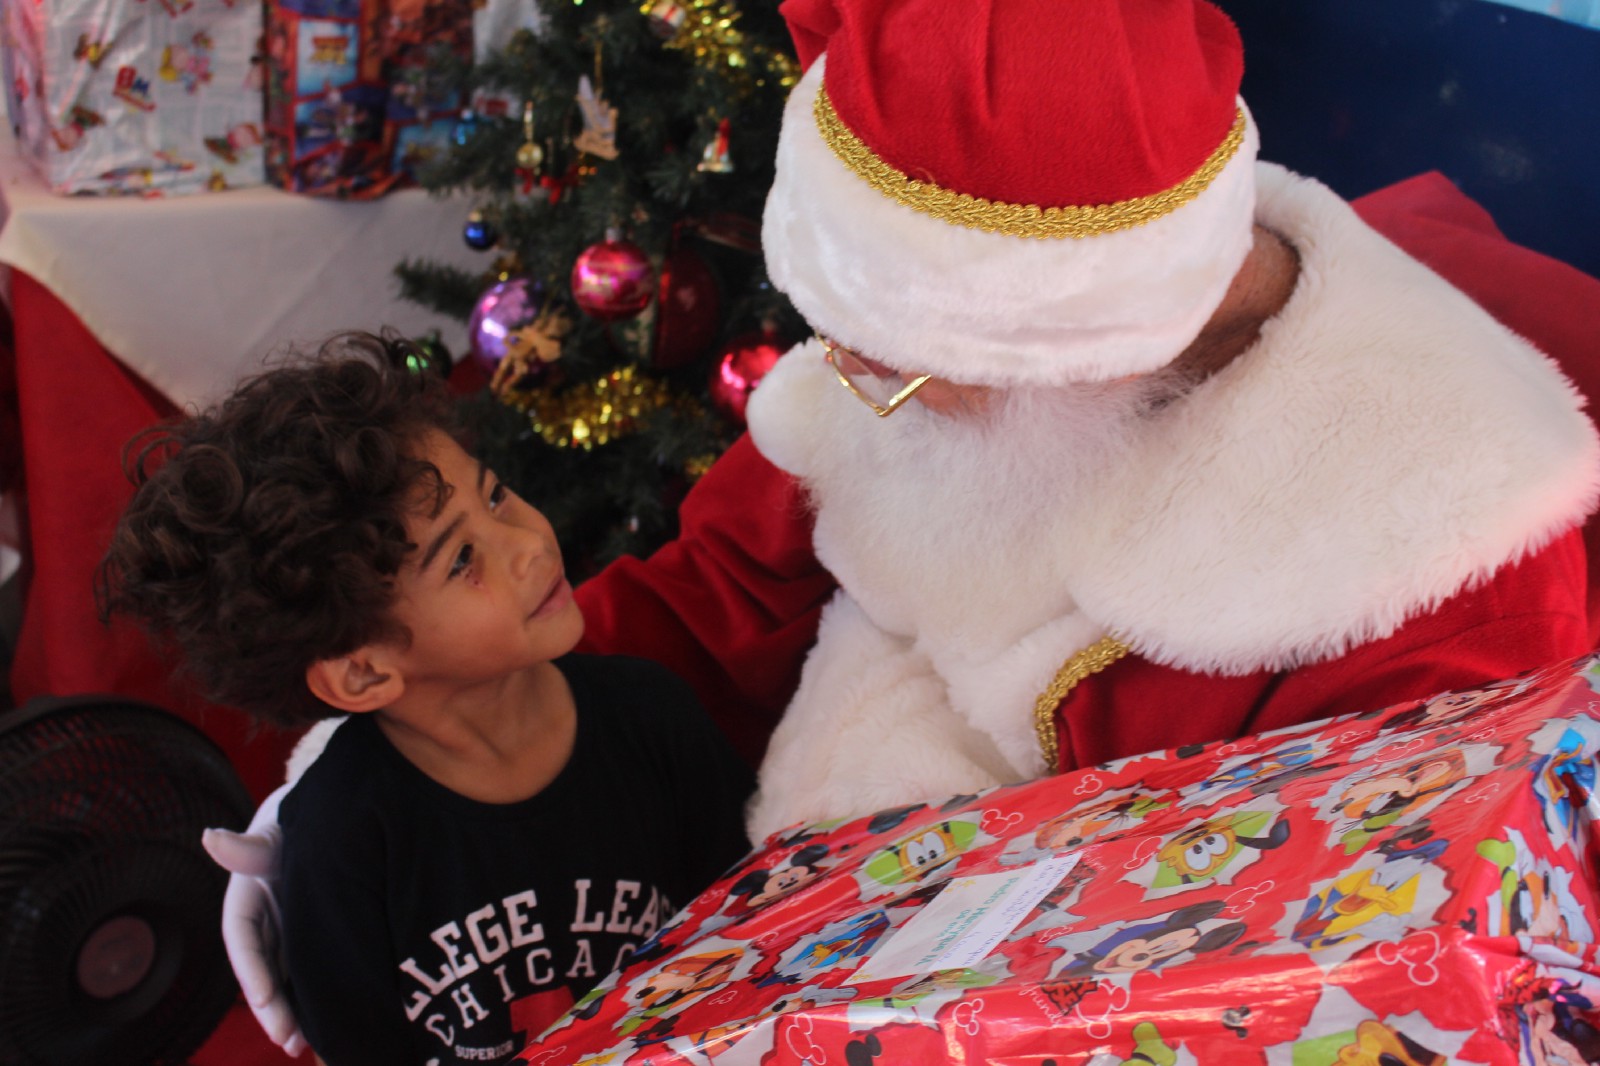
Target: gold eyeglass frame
<point>897,401</point>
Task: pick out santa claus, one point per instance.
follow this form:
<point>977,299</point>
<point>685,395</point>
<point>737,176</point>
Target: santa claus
<point>1111,438</point>
<point>1116,438</point>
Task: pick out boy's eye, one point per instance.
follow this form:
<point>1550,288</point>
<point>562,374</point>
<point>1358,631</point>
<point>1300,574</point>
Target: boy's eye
<point>497,494</point>
<point>462,561</point>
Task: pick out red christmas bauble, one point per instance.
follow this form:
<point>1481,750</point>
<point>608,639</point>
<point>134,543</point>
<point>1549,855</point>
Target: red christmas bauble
<point>744,362</point>
<point>687,310</point>
<point>612,279</point>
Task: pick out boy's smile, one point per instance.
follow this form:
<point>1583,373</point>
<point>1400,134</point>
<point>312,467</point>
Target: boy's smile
<point>485,594</point>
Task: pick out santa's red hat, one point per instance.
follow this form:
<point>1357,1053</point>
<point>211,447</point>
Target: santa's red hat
<point>1012,191</point>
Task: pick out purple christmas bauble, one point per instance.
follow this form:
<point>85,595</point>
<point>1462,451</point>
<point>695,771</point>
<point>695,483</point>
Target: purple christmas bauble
<point>501,314</point>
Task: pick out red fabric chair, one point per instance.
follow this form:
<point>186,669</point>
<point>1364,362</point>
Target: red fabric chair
<point>1530,293</point>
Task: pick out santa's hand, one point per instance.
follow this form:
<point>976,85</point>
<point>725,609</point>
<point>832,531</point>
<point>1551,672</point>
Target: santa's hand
<point>870,727</point>
<point>251,929</point>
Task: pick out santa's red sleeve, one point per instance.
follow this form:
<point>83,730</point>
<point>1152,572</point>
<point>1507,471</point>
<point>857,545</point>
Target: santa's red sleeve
<point>731,605</point>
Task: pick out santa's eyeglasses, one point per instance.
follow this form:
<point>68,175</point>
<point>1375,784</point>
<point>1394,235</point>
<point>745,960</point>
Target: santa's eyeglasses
<point>879,387</point>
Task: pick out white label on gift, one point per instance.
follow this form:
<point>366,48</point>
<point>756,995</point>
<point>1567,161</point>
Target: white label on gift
<point>964,922</point>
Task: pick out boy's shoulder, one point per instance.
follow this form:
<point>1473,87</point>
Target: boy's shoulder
<point>344,788</point>
<point>355,744</point>
<point>624,681</point>
<point>621,673</point>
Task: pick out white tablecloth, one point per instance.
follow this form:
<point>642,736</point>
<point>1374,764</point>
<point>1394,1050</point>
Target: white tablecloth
<point>191,292</point>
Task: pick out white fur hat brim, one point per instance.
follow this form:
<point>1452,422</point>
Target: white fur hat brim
<point>923,295</point>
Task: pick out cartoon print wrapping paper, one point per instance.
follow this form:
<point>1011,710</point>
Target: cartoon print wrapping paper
<point>1410,887</point>
<point>148,98</point>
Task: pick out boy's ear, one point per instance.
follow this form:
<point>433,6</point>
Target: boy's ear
<point>364,680</point>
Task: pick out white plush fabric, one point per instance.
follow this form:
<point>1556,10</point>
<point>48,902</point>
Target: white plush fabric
<point>923,295</point>
<point>867,694</point>
<point>309,746</point>
<point>1384,445</point>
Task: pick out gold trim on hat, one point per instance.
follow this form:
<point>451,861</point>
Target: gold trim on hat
<point>1091,660</point>
<point>1017,220</point>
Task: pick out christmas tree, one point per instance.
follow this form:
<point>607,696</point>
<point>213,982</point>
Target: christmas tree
<point>618,157</point>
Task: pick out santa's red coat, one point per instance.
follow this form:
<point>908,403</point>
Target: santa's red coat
<point>732,604</point>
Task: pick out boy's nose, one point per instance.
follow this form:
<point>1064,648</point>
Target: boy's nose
<point>528,549</point>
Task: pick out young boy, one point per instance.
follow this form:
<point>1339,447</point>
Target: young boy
<point>498,822</point>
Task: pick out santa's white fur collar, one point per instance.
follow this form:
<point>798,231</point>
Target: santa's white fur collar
<point>1384,445</point>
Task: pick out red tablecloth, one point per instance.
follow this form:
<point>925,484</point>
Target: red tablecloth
<point>77,406</point>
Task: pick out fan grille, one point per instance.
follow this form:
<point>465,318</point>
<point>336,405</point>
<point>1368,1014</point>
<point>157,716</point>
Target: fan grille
<point>110,910</point>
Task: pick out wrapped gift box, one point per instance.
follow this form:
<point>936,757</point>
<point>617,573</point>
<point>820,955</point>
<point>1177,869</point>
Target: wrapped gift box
<point>160,96</point>
<point>1410,887</point>
<point>351,109</point>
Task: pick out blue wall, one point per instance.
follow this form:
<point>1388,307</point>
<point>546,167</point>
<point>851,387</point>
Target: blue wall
<point>1505,102</point>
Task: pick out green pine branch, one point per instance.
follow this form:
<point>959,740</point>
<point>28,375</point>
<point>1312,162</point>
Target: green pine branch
<point>620,497</point>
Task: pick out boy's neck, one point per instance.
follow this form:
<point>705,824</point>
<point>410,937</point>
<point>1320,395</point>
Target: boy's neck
<point>494,743</point>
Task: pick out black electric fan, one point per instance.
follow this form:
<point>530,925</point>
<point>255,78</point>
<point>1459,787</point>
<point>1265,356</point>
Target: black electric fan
<point>110,944</point>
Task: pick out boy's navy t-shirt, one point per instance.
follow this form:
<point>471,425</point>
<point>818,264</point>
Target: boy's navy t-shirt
<point>422,926</point>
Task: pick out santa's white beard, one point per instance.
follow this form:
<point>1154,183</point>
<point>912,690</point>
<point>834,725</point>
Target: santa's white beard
<point>948,529</point>
<point>947,534</point>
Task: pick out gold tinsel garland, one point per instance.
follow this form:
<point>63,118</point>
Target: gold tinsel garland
<point>595,413</point>
<point>697,467</point>
<point>591,414</point>
<point>709,31</point>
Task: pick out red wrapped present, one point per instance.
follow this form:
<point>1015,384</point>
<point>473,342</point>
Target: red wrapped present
<point>353,100</point>
<point>1410,887</point>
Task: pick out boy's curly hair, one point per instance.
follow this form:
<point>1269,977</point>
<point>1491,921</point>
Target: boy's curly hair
<point>265,534</point>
